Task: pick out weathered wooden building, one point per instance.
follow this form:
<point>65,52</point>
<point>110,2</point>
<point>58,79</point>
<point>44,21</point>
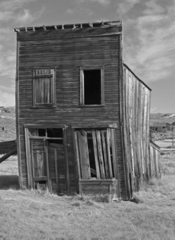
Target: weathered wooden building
<point>158,127</point>
<point>82,115</point>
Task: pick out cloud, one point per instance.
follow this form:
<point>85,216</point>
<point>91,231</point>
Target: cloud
<point>125,6</point>
<point>7,98</point>
<point>25,16</point>
<point>70,11</point>
<point>151,42</point>
<point>14,11</point>
<point>12,5</point>
<point>80,11</point>
<point>102,2</point>
<point>153,8</point>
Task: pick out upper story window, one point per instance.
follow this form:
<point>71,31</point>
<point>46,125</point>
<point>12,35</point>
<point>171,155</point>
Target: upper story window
<point>92,86</point>
<point>43,87</point>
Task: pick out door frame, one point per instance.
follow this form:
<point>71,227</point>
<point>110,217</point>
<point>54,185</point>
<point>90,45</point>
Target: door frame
<point>28,152</point>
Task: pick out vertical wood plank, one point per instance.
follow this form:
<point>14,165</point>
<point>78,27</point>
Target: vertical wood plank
<point>95,154</point>
<point>126,131</point>
<point>77,155</point>
<point>77,160</point>
<point>100,155</point>
<point>114,155</point>
<point>104,145</point>
<point>109,152</point>
<point>102,86</point>
<point>47,166</point>
<point>81,87</point>
<point>66,160</point>
<point>56,168</point>
<point>84,155</point>
<point>28,158</point>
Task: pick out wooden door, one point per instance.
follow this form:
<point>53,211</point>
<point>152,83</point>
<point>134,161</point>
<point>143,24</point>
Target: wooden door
<point>48,166</point>
<point>38,163</point>
<point>57,168</point>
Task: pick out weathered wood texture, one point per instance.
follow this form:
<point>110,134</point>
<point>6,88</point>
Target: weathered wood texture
<point>154,161</point>
<point>93,158</point>
<point>96,187</point>
<point>67,51</point>
<point>7,155</point>
<point>138,160</point>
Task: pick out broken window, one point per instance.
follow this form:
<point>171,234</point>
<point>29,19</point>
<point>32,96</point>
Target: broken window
<point>96,151</point>
<point>47,132</point>
<point>43,87</point>
<point>91,86</point>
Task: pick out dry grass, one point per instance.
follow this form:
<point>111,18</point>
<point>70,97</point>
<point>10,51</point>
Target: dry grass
<point>168,163</point>
<point>40,215</point>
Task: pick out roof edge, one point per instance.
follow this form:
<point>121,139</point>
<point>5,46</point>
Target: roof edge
<point>70,26</point>
<point>136,76</point>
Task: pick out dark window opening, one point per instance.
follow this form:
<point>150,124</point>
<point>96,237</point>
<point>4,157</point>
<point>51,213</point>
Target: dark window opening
<point>55,132</point>
<point>92,87</point>
<point>42,132</point>
<point>55,141</point>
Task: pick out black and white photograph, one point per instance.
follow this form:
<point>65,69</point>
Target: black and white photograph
<point>87,119</point>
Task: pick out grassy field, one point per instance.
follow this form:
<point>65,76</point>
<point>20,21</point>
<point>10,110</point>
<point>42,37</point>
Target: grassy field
<point>37,215</point>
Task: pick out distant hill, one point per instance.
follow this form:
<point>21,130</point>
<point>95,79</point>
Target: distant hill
<point>162,117</point>
<point>7,123</point>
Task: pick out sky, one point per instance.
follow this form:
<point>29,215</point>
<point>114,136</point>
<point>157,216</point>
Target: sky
<point>148,38</point>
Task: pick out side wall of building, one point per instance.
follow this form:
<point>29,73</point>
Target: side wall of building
<point>136,130</point>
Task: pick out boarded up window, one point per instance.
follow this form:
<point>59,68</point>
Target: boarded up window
<point>96,154</point>
<point>92,86</point>
<point>43,87</point>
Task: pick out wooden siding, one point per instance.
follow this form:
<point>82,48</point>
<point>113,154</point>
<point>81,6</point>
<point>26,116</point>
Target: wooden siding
<point>66,52</point>
<point>154,161</point>
<point>136,130</point>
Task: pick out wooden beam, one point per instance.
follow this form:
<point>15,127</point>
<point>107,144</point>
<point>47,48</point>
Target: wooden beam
<point>114,155</point>
<point>77,155</point>
<point>12,152</point>
<point>95,154</point>
<point>104,145</point>
<point>108,140</point>
<point>66,160</point>
<point>100,155</point>
<point>84,155</point>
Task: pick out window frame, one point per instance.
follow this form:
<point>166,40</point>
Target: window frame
<point>52,77</point>
<point>82,97</point>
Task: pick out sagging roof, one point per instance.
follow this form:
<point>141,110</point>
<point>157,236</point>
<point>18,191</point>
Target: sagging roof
<point>70,26</point>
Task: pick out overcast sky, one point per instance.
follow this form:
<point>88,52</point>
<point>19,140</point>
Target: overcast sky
<point>149,38</point>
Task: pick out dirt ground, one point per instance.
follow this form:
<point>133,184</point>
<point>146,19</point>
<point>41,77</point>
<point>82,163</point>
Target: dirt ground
<point>37,215</point>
